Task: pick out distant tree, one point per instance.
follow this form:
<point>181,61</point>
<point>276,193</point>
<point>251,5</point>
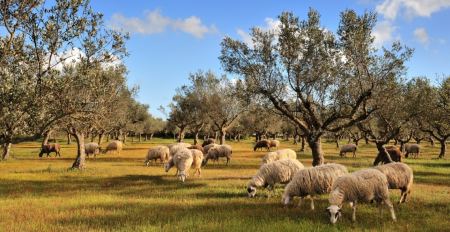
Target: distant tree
<point>331,77</point>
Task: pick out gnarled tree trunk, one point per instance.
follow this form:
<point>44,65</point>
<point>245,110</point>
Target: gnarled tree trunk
<point>443,148</point>
<point>80,161</point>
<point>6,147</point>
<point>316,148</point>
<point>302,148</point>
<point>223,133</point>
<point>69,138</point>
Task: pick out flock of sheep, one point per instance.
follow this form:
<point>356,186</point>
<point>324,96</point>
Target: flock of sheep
<point>282,167</point>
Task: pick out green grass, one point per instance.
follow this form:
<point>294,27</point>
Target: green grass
<point>117,193</point>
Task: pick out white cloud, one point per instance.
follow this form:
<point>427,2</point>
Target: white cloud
<point>412,8</point>
<point>154,22</point>
<point>271,25</point>
<point>383,33</point>
<point>421,35</point>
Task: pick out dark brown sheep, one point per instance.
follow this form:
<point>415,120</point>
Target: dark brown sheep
<point>52,147</point>
<point>261,144</point>
<point>197,147</point>
<point>208,141</point>
<point>395,155</point>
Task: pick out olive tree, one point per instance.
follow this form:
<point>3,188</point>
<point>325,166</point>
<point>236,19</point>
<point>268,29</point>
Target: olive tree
<point>332,77</point>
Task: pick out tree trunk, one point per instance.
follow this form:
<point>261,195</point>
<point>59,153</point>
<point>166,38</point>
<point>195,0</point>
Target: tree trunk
<point>46,137</point>
<point>145,137</point>
<point>239,137</point>
<point>443,148</point>
<point>432,142</point>
<point>196,137</point>
<point>125,136</point>
<point>80,161</point>
<point>69,138</point>
<point>317,153</point>
<point>223,133</point>
<point>181,134</point>
<point>337,142</point>
<point>151,136</point>
<point>366,139</point>
<point>107,138</point>
<point>6,150</point>
<point>100,138</point>
<point>302,148</point>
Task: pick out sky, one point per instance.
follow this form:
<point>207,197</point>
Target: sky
<point>171,39</point>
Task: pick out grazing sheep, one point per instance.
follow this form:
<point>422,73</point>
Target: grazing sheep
<point>207,147</point>
<point>313,181</point>
<point>362,186</point>
<point>208,141</point>
<point>413,149</point>
<point>218,151</point>
<point>158,152</point>
<point>274,143</point>
<point>348,148</point>
<point>395,155</point>
<point>91,149</point>
<point>261,144</point>
<point>281,171</point>
<point>51,147</point>
<point>279,155</point>
<point>115,146</point>
<point>399,176</point>
<point>197,156</point>
<point>197,147</point>
<point>182,160</point>
<point>173,148</point>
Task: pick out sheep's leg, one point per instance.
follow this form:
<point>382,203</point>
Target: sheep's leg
<point>354,154</point>
<point>271,190</point>
<point>312,202</point>
<point>300,202</point>
<point>228,160</point>
<point>391,209</point>
<point>354,211</point>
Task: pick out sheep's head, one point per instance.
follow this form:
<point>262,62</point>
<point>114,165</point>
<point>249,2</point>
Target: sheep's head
<point>166,167</point>
<point>286,199</point>
<point>251,191</point>
<point>182,176</point>
<point>334,212</point>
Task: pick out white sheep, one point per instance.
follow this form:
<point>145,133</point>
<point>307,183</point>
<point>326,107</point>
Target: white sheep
<point>413,149</point>
<point>399,176</point>
<point>207,147</point>
<point>313,181</point>
<point>362,186</point>
<point>91,149</point>
<point>173,148</point>
<point>197,156</point>
<point>348,148</point>
<point>182,160</point>
<point>274,143</point>
<point>159,152</point>
<point>218,151</point>
<point>115,146</point>
<point>279,155</point>
<point>281,171</point>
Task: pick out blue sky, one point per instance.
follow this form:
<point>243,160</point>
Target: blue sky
<point>170,39</point>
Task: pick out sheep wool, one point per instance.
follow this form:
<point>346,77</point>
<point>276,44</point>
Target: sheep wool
<point>197,157</point>
<point>399,176</point>
<point>173,148</point>
<point>281,171</point>
<point>207,147</point>
<point>262,144</point>
<point>413,149</point>
<point>313,181</point>
<point>182,160</point>
<point>91,149</point>
<point>115,146</point>
<point>348,148</point>
<point>158,152</point>
<point>274,143</point>
<point>218,151</point>
<point>360,186</point>
<point>279,155</point>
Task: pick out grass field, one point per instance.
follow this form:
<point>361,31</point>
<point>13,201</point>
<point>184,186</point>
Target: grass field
<point>117,193</point>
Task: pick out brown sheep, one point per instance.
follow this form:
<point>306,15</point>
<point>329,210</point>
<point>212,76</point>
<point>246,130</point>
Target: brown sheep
<point>197,147</point>
<point>261,144</point>
<point>208,141</point>
<point>395,155</point>
<point>52,147</point>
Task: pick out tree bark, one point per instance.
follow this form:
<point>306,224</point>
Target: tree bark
<point>6,150</point>
<point>46,137</point>
<point>181,134</point>
<point>443,148</point>
<point>100,138</point>
<point>69,138</point>
<point>317,153</point>
<point>432,141</point>
<point>80,161</point>
<point>151,136</point>
<point>196,137</point>
<point>223,133</point>
<point>302,148</point>
<point>337,142</point>
<point>145,137</point>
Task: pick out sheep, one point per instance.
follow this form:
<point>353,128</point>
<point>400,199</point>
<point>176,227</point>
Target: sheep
<point>361,186</point>
<point>313,181</point>
<point>399,176</point>
<point>274,143</point>
<point>208,141</point>
<point>91,149</point>
<point>395,155</point>
<point>182,160</point>
<point>281,171</point>
<point>51,147</point>
<point>197,156</point>
<point>278,155</point>
<point>412,149</point>
<point>207,147</point>
<point>173,148</point>
<point>158,152</point>
<point>115,146</point>
<point>218,151</point>
<point>348,148</point>
<point>261,144</point>
<point>197,147</point>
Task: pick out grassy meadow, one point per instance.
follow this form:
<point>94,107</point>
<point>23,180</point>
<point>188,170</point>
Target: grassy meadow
<point>118,193</point>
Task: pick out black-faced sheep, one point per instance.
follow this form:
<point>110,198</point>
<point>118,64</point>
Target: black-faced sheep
<point>361,186</point>
<point>262,144</point>
<point>51,147</point>
<point>281,171</point>
<point>279,155</point>
<point>312,182</point>
<point>159,152</point>
<point>399,176</point>
<point>348,148</point>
